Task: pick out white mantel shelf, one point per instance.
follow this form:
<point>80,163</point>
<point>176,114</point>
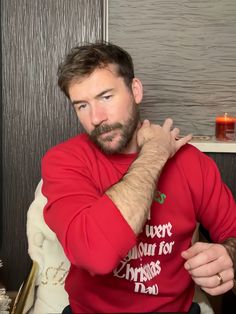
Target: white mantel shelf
<point>210,145</point>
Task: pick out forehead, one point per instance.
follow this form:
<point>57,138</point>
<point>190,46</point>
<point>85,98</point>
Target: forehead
<point>100,79</point>
<point>109,71</point>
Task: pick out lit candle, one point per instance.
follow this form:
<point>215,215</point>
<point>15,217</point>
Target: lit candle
<point>225,127</point>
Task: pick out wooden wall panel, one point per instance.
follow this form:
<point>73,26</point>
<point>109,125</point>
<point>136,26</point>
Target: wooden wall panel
<point>184,52</point>
<point>226,163</point>
<point>35,36</point>
<point>1,222</point>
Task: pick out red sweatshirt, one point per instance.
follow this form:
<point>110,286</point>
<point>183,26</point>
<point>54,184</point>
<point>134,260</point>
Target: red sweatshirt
<point>112,270</point>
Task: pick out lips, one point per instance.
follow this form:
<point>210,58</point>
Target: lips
<point>106,134</point>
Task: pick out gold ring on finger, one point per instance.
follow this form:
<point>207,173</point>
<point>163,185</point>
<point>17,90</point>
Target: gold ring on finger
<point>220,278</point>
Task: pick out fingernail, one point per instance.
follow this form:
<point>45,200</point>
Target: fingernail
<point>186,266</point>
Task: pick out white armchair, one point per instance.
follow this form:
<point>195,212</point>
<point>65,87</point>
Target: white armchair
<point>43,291</point>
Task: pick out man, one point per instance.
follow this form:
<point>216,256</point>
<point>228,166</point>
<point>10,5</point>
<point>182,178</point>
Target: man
<point>124,198</point>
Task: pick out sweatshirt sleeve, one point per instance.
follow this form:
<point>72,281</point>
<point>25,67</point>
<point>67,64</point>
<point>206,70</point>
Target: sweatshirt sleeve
<point>216,208</point>
<point>92,231</point>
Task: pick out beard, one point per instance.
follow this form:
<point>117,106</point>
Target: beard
<point>126,132</point>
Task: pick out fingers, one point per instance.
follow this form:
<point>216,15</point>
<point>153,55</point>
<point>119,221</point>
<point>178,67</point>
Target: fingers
<point>206,255</point>
<point>184,140</point>
<point>213,285</point>
<point>167,125</point>
<point>165,138</point>
<point>175,133</point>
<point>219,289</point>
<point>195,249</point>
<point>215,280</point>
<point>210,266</point>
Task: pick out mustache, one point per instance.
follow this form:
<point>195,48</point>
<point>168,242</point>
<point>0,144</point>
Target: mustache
<point>100,129</point>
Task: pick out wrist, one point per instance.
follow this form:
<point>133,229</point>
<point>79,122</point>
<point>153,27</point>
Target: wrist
<point>155,151</point>
<point>230,246</point>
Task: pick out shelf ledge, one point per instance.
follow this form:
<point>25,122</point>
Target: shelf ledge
<point>210,145</point>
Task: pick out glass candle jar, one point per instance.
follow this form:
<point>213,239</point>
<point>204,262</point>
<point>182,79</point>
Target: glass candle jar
<point>225,127</point>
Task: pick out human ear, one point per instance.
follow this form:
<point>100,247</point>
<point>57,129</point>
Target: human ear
<point>137,89</point>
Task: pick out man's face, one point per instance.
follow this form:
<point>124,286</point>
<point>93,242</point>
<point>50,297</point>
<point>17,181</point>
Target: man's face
<point>107,109</point>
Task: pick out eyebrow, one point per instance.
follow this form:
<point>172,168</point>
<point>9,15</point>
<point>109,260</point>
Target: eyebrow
<point>75,102</point>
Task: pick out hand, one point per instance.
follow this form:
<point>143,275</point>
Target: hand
<point>210,267</point>
<point>161,136</point>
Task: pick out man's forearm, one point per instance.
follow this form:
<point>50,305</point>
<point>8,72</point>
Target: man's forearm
<point>133,195</point>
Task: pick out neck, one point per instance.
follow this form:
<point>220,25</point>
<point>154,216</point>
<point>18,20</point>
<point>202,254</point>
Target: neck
<point>132,147</point>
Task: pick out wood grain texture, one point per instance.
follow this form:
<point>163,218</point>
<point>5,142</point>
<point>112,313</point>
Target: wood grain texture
<point>35,36</point>
<point>185,53</point>
<point>226,163</point>
<point>1,220</point>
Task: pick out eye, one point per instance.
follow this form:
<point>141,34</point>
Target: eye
<point>80,106</point>
<point>107,97</point>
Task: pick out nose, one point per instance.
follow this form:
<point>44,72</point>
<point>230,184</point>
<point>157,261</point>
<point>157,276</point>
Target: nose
<point>98,114</point>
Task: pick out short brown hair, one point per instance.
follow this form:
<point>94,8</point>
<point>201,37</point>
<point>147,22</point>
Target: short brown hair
<point>83,60</point>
